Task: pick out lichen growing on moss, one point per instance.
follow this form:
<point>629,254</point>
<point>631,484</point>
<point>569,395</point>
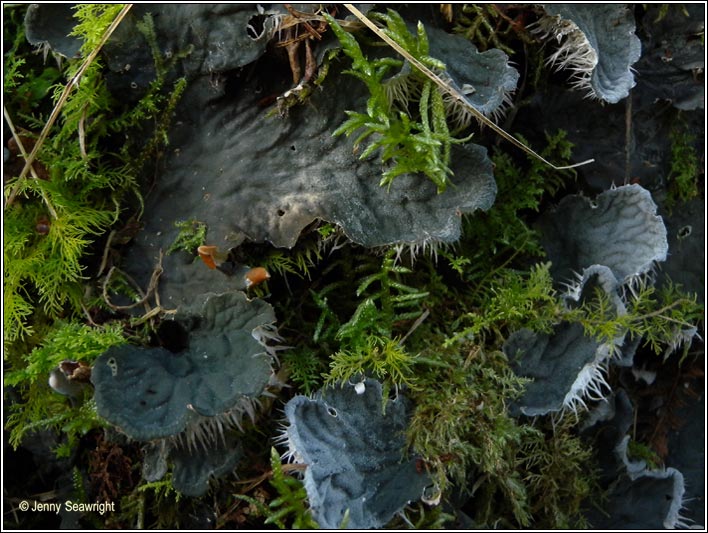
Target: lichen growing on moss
<point>492,269</point>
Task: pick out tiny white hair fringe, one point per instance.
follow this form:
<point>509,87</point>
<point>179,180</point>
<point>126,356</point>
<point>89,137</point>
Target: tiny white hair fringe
<point>575,53</point>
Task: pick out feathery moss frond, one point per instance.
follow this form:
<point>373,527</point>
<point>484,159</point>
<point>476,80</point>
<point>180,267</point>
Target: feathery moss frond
<point>408,144</point>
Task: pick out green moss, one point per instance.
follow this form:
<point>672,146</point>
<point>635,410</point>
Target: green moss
<point>451,365</point>
<point>560,475</point>
<point>521,189</point>
<point>422,517</point>
<point>663,10</point>
<point>289,509</point>
<point>92,22</point>
<point>657,316</point>
<point>512,300</point>
<point>53,223</point>
<point>305,369</point>
<point>368,343</point>
<point>461,427</point>
<point>419,142</point>
<point>381,358</point>
<point>154,505</point>
<point>480,24</point>
<point>299,262</point>
<point>192,235</point>
<point>41,407</point>
<point>640,451</point>
<point>685,166</point>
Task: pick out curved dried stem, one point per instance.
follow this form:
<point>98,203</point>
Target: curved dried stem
<point>144,296</point>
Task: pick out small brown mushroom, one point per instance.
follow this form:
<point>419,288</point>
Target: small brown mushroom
<point>256,276</point>
<point>211,255</point>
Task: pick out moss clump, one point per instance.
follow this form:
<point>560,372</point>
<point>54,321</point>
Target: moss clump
<point>289,508</point>
<point>80,182</point>
<point>192,234</point>
<point>79,185</point>
<point>461,426</point>
<point>560,475</point>
<point>685,167</point>
<point>420,142</point>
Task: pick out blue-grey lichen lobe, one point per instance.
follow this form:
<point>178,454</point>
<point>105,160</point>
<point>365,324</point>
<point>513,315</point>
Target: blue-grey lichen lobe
<point>619,230</point>
<point>249,175</point>
<point>265,178</point>
<point>135,388</point>
<point>153,393</point>
<point>610,31</point>
<point>489,76</point>
<point>553,362</point>
<point>354,455</point>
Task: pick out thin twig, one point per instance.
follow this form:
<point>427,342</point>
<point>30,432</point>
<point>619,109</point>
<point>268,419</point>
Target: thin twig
<point>63,99</point>
<point>82,134</point>
<point>628,138</point>
<point>152,287</point>
<point>21,146</point>
<point>88,315</point>
<point>673,304</point>
<point>453,92</point>
<point>150,312</point>
<point>106,251</point>
<point>415,325</point>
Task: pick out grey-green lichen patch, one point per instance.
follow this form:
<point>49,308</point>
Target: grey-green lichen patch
<point>155,456</point>
<point>593,278</point>
<point>638,496</point>
<point>485,78</point>
<point>619,229</point>
<point>183,275</point>
<point>563,366</point>
<point>249,176</point>
<point>209,38</point>
<point>673,57</point>
<point>597,43</point>
<point>194,468</point>
<point>142,391</point>
<point>650,500</point>
<point>354,455</point>
<point>50,25</point>
<point>152,393</point>
<point>685,227</point>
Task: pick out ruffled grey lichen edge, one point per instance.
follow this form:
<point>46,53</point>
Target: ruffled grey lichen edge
<point>598,43</point>
<point>593,357</point>
<point>618,229</point>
